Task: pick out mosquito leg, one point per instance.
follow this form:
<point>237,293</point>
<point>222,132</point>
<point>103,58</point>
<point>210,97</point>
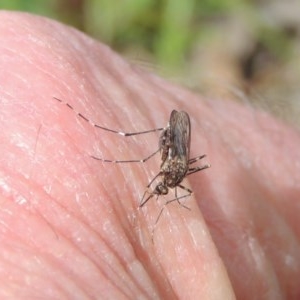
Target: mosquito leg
<point>143,202</point>
<point>104,128</point>
<point>178,198</point>
<point>158,217</point>
<point>152,180</point>
<point>193,160</point>
<point>197,169</point>
<point>175,199</point>
<point>127,161</point>
<point>189,192</point>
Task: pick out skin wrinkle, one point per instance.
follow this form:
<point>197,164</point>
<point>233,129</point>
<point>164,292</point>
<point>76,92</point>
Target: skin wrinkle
<point>143,281</point>
<point>53,288</point>
<point>264,267</point>
<point>117,254</point>
<point>22,238</point>
<point>261,241</point>
<point>227,233</point>
<point>155,268</point>
<point>108,263</point>
<point>85,225</point>
<point>123,262</point>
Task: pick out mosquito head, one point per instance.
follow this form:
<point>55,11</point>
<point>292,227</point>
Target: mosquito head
<point>161,189</point>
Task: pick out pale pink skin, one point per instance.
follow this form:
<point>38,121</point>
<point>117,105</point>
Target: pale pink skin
<point>70,227</point>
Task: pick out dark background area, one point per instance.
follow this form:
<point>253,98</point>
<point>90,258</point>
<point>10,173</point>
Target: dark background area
<point>242,49</point>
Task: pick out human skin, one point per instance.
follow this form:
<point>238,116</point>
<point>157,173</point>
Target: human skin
<point>70,226</point>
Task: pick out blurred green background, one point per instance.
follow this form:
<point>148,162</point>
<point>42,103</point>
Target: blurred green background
<point>242,49</point>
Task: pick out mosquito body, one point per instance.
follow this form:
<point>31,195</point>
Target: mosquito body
<point>174,146</point>
<point>174,143</point>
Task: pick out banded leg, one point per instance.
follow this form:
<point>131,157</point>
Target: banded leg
<point>193,160</point>
<point>104,128</point>
<point>127,161</point>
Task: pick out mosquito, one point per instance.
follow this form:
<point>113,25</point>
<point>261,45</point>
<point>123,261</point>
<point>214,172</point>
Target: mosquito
<point>174,147</point>
<point>174,144</point>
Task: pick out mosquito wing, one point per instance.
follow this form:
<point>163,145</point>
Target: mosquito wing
<point>180,135</point>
